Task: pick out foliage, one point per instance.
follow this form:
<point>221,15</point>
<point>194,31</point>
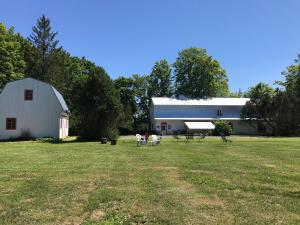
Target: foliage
<point>42,56</point>
<point>198,75</point>
<point>12,64</point>
<point>126,89</point>
<point>159,82</point>
<point>141,116</point>
<point>261,105</point>
<point>98,105</point>
<point>222,128</point>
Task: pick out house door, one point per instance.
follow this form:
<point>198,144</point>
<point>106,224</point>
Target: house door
<point>163,128</point>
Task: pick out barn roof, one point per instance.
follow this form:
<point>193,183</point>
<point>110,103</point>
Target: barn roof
<point>60,100</point>
<point>57,94</point>
<point>203,101</point>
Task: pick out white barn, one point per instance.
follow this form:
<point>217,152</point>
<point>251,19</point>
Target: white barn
<point>33,107</point>
<point>171,114</point>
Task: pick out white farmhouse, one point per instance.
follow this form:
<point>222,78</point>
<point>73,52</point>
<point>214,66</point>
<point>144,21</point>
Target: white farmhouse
<point>32,107</point>
<point>171,114</point>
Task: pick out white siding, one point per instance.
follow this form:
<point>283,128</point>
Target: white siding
<point>40,116</point>
<point>196,111</point>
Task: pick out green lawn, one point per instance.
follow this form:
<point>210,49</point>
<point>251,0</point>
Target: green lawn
<point>251,181</point>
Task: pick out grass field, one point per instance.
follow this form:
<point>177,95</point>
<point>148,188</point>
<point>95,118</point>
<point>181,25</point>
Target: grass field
<point>251,181</point>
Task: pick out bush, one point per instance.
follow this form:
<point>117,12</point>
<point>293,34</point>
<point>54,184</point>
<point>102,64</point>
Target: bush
<point>25,135</point>
<point>222,128</point>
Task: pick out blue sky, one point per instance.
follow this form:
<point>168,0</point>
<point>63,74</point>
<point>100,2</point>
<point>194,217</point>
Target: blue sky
<point>254,40</point>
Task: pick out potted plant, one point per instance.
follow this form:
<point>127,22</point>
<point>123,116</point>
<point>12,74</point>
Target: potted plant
<point>113,137</point>
<point>103,140</point>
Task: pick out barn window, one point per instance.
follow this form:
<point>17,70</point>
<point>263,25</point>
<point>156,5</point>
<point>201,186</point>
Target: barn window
<point>28,95</point>
<point>219,112</point>
<point>11,123</point>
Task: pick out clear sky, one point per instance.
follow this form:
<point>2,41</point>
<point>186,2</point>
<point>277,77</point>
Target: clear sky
<point>254,40</point>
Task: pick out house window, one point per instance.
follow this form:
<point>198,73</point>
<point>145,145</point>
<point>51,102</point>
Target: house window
<point>219,112</point>
<point>11,123</point>
<point>157,126</point>
<point>169,127</point>
<point>28,95</point>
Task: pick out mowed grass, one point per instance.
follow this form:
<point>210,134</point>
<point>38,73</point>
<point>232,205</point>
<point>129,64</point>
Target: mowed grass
<point>251,181</point>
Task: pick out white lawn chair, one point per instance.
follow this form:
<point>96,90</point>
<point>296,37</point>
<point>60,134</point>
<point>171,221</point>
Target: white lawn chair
<point>154,140</point>
<point>140,140</point>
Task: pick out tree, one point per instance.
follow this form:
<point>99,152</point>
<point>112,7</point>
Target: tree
<point>198,75</point>
<point>126,89</point>
<point>141,116</point>
<point>12,64</point>
<point>98,105</point>
<point>45,44</point>
<point>288,101</point>
<point>261,105</point>
<point>160,84</point>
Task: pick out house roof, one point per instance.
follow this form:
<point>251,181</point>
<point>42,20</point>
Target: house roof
<point>200,125</point>
<point>204,101</point>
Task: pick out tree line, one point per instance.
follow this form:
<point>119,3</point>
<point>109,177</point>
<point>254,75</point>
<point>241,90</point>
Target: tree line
<point>101,106</point>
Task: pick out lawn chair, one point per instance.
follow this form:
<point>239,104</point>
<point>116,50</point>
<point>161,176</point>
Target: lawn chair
<point>140,140</point>
<point>225,139</point>
<point>202,136</point>
<point>154,140</point>
<point>189,137</point>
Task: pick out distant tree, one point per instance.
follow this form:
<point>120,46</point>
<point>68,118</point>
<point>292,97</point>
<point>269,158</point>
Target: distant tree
<point>98,105</point>
<point>288,101</point>
<point>141,116</point>
<point>238,94</point>
<point>160,84</point>
<point>125,86</point>
<point>198,75</point>
<point>261,105</point>
<point>12,64</point>
<point>45,44</point>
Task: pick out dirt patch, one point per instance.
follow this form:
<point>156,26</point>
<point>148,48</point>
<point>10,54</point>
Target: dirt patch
<point>97,215</point>
<point>202,171</point>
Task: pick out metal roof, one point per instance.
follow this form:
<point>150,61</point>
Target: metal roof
<point>203,101</point>
<point>195,119</point>
<point>61,100</point>
<point>200,125</point>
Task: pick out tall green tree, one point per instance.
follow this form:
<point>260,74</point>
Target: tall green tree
<point>45,44</point>
<point>141,116</point>
<point>159,82</point>
<point>12,64</point>
<point>288,101</point>
<point>261,105</point>
<point>198,75</point>
<point>98,105</point>
<point>126,89</point>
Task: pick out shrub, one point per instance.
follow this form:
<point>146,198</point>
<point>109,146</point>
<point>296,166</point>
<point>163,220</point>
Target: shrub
<point>25,135</point>
<point>222,128</point>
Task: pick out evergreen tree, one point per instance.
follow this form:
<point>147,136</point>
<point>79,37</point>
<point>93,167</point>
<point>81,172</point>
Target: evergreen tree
<point>44,41</point>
